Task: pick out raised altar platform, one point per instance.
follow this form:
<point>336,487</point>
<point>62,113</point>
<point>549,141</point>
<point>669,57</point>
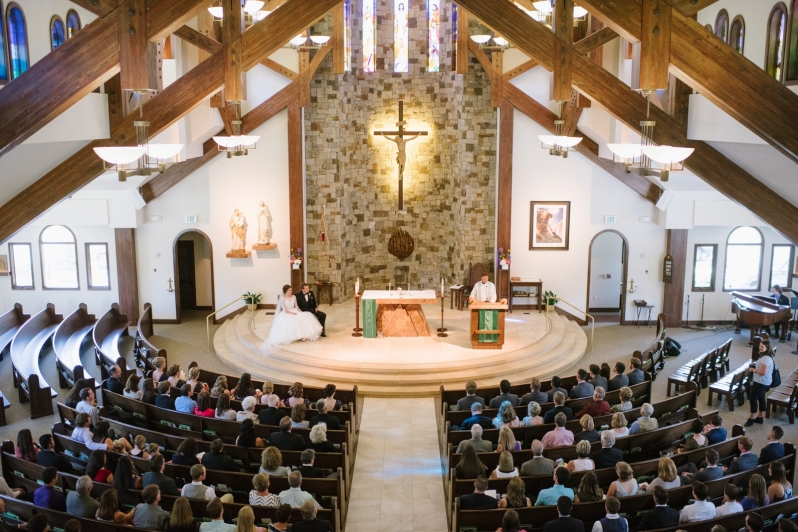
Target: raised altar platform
<point>396,313</point>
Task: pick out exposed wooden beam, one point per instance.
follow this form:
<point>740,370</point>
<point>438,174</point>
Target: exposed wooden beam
<point>504,194</point>
<point>562,25</point>
<point>164,17</point>
<point>526,4</point>
<point>101,8</point>
<point>655,45</point>
<point>339,49</point>
<point>199,39</point>
<point>673,296</point>
<point>701,60</point>
<point>315,63</point>
<point>520,69</point>
<point>232,33</point>
<point>496,78</point>
<point>690,8</point>
<point>595,40</point>
<point>463,42</point>
<point>126,274</point>
<point>296,199</point>
<point>116,101</point>
<point>304,68</point>
<point>271,5</point>
<point>132,34</point>
<point>280,69</point>
<point>481,56</point>
<point>596,54</point>
<point>678,100</point>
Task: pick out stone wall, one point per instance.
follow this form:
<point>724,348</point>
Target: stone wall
<point>450,177</point>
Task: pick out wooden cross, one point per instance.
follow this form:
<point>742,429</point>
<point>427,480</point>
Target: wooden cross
<point>401,141</point>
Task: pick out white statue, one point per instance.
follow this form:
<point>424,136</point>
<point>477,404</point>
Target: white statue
<point>264,223</point>
<point>238,230</point>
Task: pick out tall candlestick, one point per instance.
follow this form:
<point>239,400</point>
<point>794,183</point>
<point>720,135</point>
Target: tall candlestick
<point>441,286</point>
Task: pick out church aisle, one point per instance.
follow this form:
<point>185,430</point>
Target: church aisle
<point>397,483</point>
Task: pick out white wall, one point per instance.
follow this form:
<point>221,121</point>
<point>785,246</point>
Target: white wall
<point>202,267</point>
<point>606,271</point>
<point>65,301</point>
<point>593,194</point>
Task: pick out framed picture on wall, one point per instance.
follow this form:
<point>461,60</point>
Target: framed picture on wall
<point>549,225</point>
<point>3,264</point>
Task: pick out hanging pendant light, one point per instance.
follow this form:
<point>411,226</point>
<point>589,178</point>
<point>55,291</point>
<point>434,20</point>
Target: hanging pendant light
<point>236,144</point>
<point>558,144</point>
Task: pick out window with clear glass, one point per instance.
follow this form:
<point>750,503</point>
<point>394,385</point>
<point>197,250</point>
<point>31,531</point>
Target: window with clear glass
<point>17,40</point>
<point>97,271</point>
<point>57,32</point>
<point>369,35</point>
<point>722,26</point>
<point>743,260</point>
<point>738,34</point>
<point>776,36</point>
<point>780,262</point>
<point>21,259</point>
<point>704,267</point>
<point>59,259</point>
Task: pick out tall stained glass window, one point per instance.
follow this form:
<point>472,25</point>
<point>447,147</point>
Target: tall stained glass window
<point>57,32</point>
<point>401,39</point>
<point>348,35</point>
<point>434,18</point>
<point>454,36</point>
<point>3,65</point>
<point>369,35</point>
<point>17,40</point>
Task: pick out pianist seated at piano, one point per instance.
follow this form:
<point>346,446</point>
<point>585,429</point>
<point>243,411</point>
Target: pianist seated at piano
<point>760,312</point>
<point>780,299</point>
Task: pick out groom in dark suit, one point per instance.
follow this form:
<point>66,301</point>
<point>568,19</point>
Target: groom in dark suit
<point>306,302</point>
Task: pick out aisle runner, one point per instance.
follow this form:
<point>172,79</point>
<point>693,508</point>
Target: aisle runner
<point>397,483</point>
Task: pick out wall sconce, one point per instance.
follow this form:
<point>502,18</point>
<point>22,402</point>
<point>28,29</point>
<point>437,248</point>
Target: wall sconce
<point>170,287</point>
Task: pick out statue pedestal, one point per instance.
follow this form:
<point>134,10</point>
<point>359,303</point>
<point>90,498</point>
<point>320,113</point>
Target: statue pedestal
<point>238,254</point>
<point>264,247</point>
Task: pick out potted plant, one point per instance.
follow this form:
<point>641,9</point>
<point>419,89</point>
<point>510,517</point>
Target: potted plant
<point>296,258</point>
<point>252,300</point>
<point>504,258</point>
<point>550,299</point>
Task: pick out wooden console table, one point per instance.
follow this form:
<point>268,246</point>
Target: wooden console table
<point>529,283</point>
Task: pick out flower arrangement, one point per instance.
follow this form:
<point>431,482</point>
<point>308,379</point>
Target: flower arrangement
<point>296,256</point>
<point>504,256</point>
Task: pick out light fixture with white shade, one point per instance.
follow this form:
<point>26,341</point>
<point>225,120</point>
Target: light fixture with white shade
<point>120,155</point>
<point>319,40</point>
<point>236,144</point>
<point>299,40</point>
<point>558,144</point>
<point>483,40</point>
<point>501,41</point>
<point>252,12</point>
<point>217,12</point>
<point>253,6</point>
<point>544,12</point>
<point>480,39</point>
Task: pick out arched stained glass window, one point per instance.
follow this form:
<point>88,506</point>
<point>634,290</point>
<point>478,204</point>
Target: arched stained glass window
<point>792,53</point>
<point>3,64</point>
<point>737,40</point>
<point>17,40</point>
<point>73,23</point>
<point>776,36</point>
<point>57,32</point>
<point>743,260</point>
<point>722,26</point>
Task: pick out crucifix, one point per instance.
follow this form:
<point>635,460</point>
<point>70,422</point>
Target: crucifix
<point>401,141</point>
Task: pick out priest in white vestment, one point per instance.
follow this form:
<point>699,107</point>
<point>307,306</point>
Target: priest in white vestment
<point>484,291</point>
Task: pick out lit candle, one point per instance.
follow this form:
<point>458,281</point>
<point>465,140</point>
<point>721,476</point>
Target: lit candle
<point>441,286</point>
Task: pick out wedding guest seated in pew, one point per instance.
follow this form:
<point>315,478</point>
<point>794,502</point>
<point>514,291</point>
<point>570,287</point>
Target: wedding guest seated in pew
<point>100,435</point>
<point>80,501</point>
<point>247,410</point>
<point>319,441</point>
<point>589,432</point>
<point>556,386</point>
<point>216,460</point>
<point>667,476</point>
<point>582,461</point>
<point>625,395</point>
<point>223,410</point>
<point>4,527</point>
<point>534,394</point>
<point>730,504</point>
<point>149,514</point>
<point>197,387</point>
<point>757,494</point>
<point>271,463</point>
<point>476,419</point>
<point>559,406</point>
<point>595,377</point>
<point>701,509</point>
<point>215,511</point>
<point>505,469</point>
<point>246,436</point>
<point>476,441</point>
<point>294,494</point>
<point>323,417</point>
<point>310,523</point>
<point>185,403</point>
<point>281,517</point>
<point>607,456</point>
<point>612,522</point>
<point>46,496</point>
<point>148,392</point>
<point>155,476</point>
<point>245,388</point>
<point>297,393</point>
<point>82,434</point>
<point>38,523</point>
<point>515,496</point>
<point>533,417</point>
<point>176,378</point>
<point>697,440</point>
<point>186,453</point>
<point>181,518</point>
<point>197,490</point>
<point>753,523</point>
<point>539,464</point>
<point>645,422</point>
<point>47,457</point>
<point>139,449</point>
<point>96,469</point>
<point>329,398</point>
<point>298,420</point>
<point>589,490</point>
<point>626,485</point>
<point>469,466</point>
<point>599,407</point>
<point>780,488</point>
<point>505,395</point>
<point>774,448</point>
<point>464,403</point>
<point>619,424</point>
<point>478,500</point>
<point>271,415</point>
<point>260,496</point>
<point>126,479</point>
<point>549,496</point>
<point>25,448</point>
<point>560,436</point>
<point>747,460</point>
<point>307,469</point>
<point>159,373</point>
<point>203,408</point>
<point>619,380</point>
<point>109,511</point>
<point>564,521</point>
<point>268,392</point>
<point>507,441</point>
<point>636,375</point>
<point>88,405</point>
<point>712,471</point>
<point>582,388</point>
<point>164,398</point>
<point>506,416</point>
<point>510,522</point>
<point>73,397</point>
<point>113,382</point>
<point>713,430</point>
<point>284,440</point>
<point>786,525</point>
<point>220,387</point>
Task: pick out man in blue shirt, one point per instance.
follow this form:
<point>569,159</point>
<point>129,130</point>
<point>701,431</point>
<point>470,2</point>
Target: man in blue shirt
<point>47,496</point>
<point>714,432</point>
<point>477,419</point>
<point>185,403</point>
<point>548,497</point>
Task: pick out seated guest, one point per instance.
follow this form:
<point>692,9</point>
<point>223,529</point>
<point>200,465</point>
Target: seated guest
<point>47,456</point>
<point>619,380</point>
<point>260,495</point>
<point>223,410</point>
<point>589,490</point>
<point>149,514</point>
<point>155,476</point>
<point>476,441</point>
<point>307,469</point>
<point>613,521</point>
<point>476,419</point>
<point>645,422</point>
<point>246,436</point>
<point>599,407</point>
<point>560,436</point>
<point>549,496</point>
<point>220,387</point>
<point>589,432</point>
<point>662,516</point>
<point>148,392</point>
<point>556,386</point>
<point>478,500</point>
<point>100,435</point>
<point>533,417</point>
<point>469,466</point>
<point>515,496</point>
<point>713,430</point>
<point>559,402</point>
<point>582,388</point>
<point>582,461</point>
<point>780,488</point>
<point>164,399</point>
<point>510,522</point>
<point>281,517</point>
<point>626,485</point>
<point>753,523</point>
<point>196,489</point>
<point>215,510</point>
<point>298,420</point>
<point>505,395</point>
<point>757,493</point>
<point>507,441</point>
<point>126,480</point>
<point>465,403</point>
<point>701,509</point>
<point>46,496</point>
<point>774,448</point>
<point>82,434</point>
<point>323,417</point>
<point>139,449</point>
<point>564,521</point>
<point>271,463</point>
<point>181,518</point>
<point>284,440</point>
<point>712,471</point>
<point>96,469</point>
<point>329,398</point>
<point>217,460</point>
<point>186,453</point>
<point>625,395</point>
<point>108,509</point>
<point>193,379</point>
<point>296,392</point>
<point>534,394</point>
<point>38,523</point>
<point>131,390</point>
<point>247,410</point>
<point>319,441</point>
<point>594,374</point>
<point>636,375</point>
<point>159,373</point>
<point>185,403</point>
<point>505,469</point>
<point>268,391</point>
<point>310,523</point>
<point>273,414</point>
<point>79,502</point>
<point>294,494</point>
<point>785,525</point>
<point>88,405</point>
<point>245,388</point>
<point>506,416</point>
<point>113,382</point>
<point>730,504</point>
<point>203,408</point>
<point>175,376</point>
<point>747,460</point>
<point>619,425</point>
<point>697,440</point>
<point>539,465</point>
<point>667,476</point>
<point>73,397</point>
<point>607,456</point>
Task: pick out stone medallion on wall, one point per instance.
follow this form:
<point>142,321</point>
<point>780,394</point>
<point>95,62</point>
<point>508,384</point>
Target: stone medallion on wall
<point>401,244</point>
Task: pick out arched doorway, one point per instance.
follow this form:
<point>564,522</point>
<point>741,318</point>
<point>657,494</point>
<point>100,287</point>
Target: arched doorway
<point>193,262</point>
<point>607,266</point>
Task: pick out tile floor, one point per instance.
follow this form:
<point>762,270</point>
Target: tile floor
<point>397,482</point>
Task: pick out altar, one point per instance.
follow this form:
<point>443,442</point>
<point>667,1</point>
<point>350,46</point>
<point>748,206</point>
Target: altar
<point>395,313</point>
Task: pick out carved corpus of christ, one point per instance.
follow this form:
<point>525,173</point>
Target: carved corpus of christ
<point>401,138</point>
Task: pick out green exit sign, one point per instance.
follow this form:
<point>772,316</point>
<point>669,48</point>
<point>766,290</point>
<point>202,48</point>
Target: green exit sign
<point>610,219</point>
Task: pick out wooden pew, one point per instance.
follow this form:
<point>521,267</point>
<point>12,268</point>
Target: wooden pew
<point>145,351</point>
<point>67,342</point>
<point>10,322</point>
<point>653,356</point>
<point>109,329</point>
<point>25,350</point>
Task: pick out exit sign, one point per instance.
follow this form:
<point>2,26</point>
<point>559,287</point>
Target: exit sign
<point>610,219</point>
<point>191,218</point>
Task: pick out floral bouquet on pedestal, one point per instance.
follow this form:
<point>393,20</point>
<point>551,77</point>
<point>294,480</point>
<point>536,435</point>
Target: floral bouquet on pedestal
<point>296,258</point>
<point>504,258</point>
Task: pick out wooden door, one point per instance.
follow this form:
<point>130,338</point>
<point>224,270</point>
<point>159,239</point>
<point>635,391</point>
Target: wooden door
<point>185,274</point>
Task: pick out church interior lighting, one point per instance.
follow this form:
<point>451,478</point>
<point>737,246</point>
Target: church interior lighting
<point>558,144</point>
<point>544,10</point>
<point>236,144</point>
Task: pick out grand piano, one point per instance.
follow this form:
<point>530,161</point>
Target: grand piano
<point>759,312</point>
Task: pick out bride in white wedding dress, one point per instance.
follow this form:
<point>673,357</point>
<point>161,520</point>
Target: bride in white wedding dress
<point>290,323</point>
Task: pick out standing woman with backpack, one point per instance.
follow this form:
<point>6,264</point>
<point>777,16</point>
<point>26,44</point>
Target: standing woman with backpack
<point>762,371</point>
